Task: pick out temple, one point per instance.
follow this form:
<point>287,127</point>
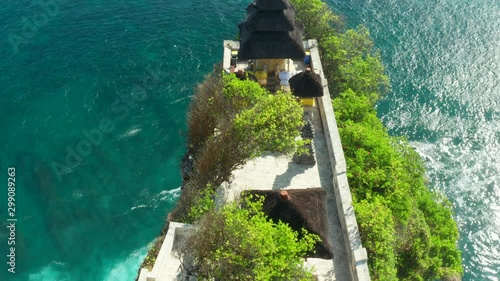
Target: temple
<point>271,32</point>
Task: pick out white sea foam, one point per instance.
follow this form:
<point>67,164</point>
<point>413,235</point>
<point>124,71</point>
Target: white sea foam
<point>51,272</point>
<point>126,269</point>
<point>169,196</point>
<point>138,207</point>
<point>77,194</point>
<point>130,133</point>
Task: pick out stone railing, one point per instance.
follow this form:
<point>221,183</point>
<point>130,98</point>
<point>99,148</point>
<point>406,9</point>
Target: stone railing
<point>358,259</point>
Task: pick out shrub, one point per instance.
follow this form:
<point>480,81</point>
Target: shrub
<point>241,94</point>
<point>387,168</point>
<point>364,74</point>
<point>273,124</point>
<point>317,18</point>
<point>377,232</point>
<point>239,242</point>
<point>206,106</point>
<point>204,203</point>
<point>259,122</point>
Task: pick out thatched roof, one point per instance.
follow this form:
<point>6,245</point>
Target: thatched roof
<point>271,32</point>
<point>271,5</point>
<point>305,209</point>
<point>270,20</point>
<point>306,84</point>
<point>270,44</point>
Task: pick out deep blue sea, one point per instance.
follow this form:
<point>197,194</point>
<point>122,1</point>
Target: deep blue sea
<point>94,94</point>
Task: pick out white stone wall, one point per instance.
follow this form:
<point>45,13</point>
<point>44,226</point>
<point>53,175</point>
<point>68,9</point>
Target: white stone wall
<point>355,251</point>
<point>168,266</point>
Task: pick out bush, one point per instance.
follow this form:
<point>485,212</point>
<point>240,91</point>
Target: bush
<point>204,203</point>
<point>377,233</point>
<point>241,94</point>
<point>387,168</point>
<point>204,110</point>
<point>352,63</point>
<point>253,122</point>
<point>273,124</point>
<point>239,242</point>
<point>349,58</point>
<point>317,18</point>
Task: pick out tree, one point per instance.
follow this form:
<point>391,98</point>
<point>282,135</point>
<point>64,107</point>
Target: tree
<point>239,242</point>
<point>272,124</point>
<point>317,18</point>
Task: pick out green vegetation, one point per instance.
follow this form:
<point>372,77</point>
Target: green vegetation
<point>239,242</point>
<point>408,231</point>
<point>204,203</point>
<point>349,59</point>
<point>230,122</point>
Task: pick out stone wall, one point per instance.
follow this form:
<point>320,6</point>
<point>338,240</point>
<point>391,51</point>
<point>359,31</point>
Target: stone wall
<point>355,251</point>
<point>168,266</point>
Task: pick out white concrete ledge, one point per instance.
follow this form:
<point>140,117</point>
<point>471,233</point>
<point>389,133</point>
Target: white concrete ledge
<point>168,266</point>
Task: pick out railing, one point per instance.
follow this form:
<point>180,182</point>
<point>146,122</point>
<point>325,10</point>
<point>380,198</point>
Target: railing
<point>358,259</point>
<point>167,266</point>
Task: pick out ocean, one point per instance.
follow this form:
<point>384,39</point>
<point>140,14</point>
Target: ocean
<point>94,99</point>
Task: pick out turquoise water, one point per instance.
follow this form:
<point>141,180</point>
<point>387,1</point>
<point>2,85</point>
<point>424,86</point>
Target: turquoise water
<point>94,97</point>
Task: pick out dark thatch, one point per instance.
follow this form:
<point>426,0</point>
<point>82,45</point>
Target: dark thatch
<point>271,32</point>
<point>270,45</point>
<point>306,84</point>
<point>306,209</point>
<point>270,20</point>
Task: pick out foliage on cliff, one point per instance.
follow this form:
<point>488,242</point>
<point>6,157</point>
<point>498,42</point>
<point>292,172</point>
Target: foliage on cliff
<point>387,178</point>
<point>408,231</point>
<point>231,121</point>
<point>239,242</point>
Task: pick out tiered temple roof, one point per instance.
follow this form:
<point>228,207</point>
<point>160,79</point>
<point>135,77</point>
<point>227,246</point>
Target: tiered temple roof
<point>271,32</point>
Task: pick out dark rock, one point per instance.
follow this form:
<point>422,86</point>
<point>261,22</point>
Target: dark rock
<point>187,165</point>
